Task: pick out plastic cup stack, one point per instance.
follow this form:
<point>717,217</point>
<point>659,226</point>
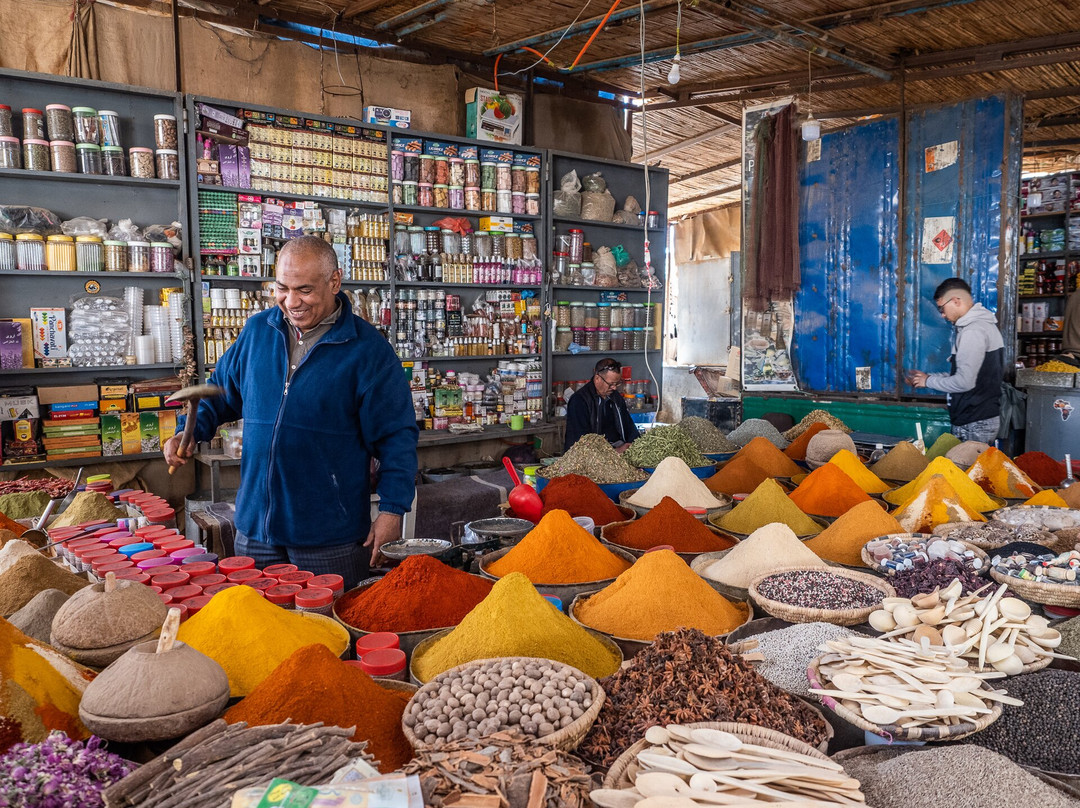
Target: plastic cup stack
<point>156,323</point>
<point>133,298</point>
<point>176,325</point>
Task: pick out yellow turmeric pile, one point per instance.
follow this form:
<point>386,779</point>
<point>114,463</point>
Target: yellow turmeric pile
<point>973,497</point>
<point>996,474</point>
<point>1048,497</point>
<point>855,469</point>
<point>936,503</point>
<point>843,540</point>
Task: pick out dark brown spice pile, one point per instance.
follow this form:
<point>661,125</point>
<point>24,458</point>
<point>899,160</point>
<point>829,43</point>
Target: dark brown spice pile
<point>686,676</point>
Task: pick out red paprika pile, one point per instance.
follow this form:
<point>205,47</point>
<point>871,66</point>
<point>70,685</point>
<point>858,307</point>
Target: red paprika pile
<point>421,593</point>
<point>1042,468</point>
<point>668,523</point>
<point>828,491</point>
<point>580,496</point>
<point>313,686</point>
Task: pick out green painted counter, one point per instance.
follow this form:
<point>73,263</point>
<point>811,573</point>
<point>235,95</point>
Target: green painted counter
<point>878,417</point>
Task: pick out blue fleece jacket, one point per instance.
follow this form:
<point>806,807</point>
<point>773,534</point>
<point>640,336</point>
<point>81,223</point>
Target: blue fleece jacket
<point>304,473</point>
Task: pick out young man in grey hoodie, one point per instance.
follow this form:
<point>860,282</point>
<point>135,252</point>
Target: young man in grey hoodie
<point>977,361</point>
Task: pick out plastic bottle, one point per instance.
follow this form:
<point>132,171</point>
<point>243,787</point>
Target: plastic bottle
<point>877,454</point>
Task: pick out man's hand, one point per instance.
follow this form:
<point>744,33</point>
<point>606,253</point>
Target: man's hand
<point>622,447</point>
<point>917,378</point>
<point>170,448</point>
<point>387,527</point>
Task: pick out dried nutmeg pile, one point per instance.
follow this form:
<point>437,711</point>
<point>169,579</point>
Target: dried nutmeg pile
<point>686,676</point>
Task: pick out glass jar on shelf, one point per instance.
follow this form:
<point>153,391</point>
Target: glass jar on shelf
<point>441,196</point>
<point>425,195</point>
<point>89,158</point>
<point>604,314</point>
<point>451,241</point>
<point>59,123</point>
<point>116,256</point>
<point>109,121</point>
<point>528,247</point>
<point>167,162</point>
<point>6,129</point>
<point>457,171</point>
<point>504,202</point>
<point>442,170</point>
<point>89,254</point>
<point>87,125</point>
<point>29,252</point>
<point>397,165</point>
<point>637,336</point>
<point>7,253</point>
<point>532,204</point>
<point>141,160</point>
<point>617,343</point>
<point>417,240</point>
<point>112,161</point>
<point>588,273</point>
<point>63,156</point>
<point>165,132</point>
<point>578,334</point>
<point>487,199</point>
<point>641,316</point>
<point>562,313</point>
<point>410,193</point>
<point>432,240</point>
<point>456,197</point>
<point>60,253</point>
<point>427,169</point>
<point>488,171</point>
<point>563,337</point>
<point>592,338</point>
<point>603,339</point>
<point>592,315</point>
<point>483,244</point>
<point>472,174</point>
<point>161,257</point>
<point>577,314</point>
<point>498,244</point>
<point>504,177</point>
<point>577,239</point>
<point>36,155</point>
<point>138,256</point>
<point>411,164</point>
<point>10,152</point>
<point>33,124</point>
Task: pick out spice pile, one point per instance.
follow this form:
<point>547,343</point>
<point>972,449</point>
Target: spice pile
<point>30,574</point>
<point>767,548</point>
<point>936,575</point>
<point>593,457</point>
<point>767,504</point>
<point>673,478</point>
<point>903,463</point>
<point>1042,468</point>
<point>932,504</point>
<point>419,594</point>
<point>707,438</point>
<point>213,763</point>
<point>818,589</point>
<point>843,540</point>
<point>515,620</point>
<point>26,505</point>
<point>559,551</point>
<point>58,772</point>
<point>997,475</point>
<point>1044,733</point>
<point>960,776</point>
<point>532,697</point>
<point>816,417</point>
<point>35,618</point>
<point>1049,498</point>
<point>668,523</point>
<point>789,651</point>
<point>757,428</point>
<point>659,593</point>
<point>249,636</point>
<point>87,506</point>
<point>501,771</point>
<point>54,487</point>
<point>580,496</point>
<point>686,676</point>
<point>1070,637</point>
<point>901,553</point>
<point>941,447</point>
<point>1057,366</point>
<point>1071,495</point>
<point>797,449</point>
<point>313,686</point>
<point>824,446</point>
<point>853,467</point>
<point>828,491</point>
<point>756,462</point>
<point>665,441</point>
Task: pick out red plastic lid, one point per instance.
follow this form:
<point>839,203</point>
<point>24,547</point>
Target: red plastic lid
<point>166,598</point>
<point>133,575</point>
<point>377,641</point>
<point>125,496</point>
<point>157,589</point>
<point>197,568</point>
<point>205,581</point>
<point>32,110</point>
<point>157,569</point>
<point>213,590</point>
<point>115,566</point>
<point>160,514</point>
<point>242,576</point>
<point>86,541</point>
<point>179,545</point>
<point>181,593</point>
<point>262,584</point>
<point>234,563</point>
<point>314,598</point>
<point>282,594</point>
<point>117,534</point>
<point>118,543</point>
<point>170,579</point>
<point>299,577</point>
<point>331,581</point>
<point>193,604</point>
<point>145,532</point>
<point>97,552</point>
<point>277,570</point>
<point>104,561</point>
<point>145,554</point>
<point>383,662</point>
<point>185,612</point>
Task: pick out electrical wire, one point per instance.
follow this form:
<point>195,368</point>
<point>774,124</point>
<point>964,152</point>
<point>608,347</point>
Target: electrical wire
<point>648,199</point>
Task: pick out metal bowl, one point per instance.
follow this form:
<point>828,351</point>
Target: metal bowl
<point>403,548</point>
<point>506,530</point>
<point>719,457</point>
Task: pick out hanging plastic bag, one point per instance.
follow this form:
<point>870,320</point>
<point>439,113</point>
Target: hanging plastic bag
<point>567,200</point>
<point>172,233</point>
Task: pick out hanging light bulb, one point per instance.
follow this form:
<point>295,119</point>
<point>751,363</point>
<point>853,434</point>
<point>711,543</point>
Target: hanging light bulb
<point>673,74</point>
<point>811,127</point>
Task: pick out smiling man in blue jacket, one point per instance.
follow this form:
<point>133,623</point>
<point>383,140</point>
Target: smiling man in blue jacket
<point>321,392</point>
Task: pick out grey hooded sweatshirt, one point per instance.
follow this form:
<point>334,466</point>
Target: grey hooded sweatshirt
<point>977,361</point>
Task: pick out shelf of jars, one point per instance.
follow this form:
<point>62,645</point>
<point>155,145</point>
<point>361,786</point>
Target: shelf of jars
<point>509,393</point>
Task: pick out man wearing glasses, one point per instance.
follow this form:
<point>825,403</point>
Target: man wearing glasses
<point>598,407</point>
<point>974,385</point>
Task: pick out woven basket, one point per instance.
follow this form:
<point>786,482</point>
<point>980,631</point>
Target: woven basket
<point>868,559</point>
<point>607,535</point>
<point>1038,592</point>
<point>620,776</point>
<point>565,739</point>
<point>838,617</point>
<point>394,684</point>
<point>895,733</point>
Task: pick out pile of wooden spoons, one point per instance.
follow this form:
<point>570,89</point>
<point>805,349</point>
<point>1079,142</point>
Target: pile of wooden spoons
<point>903,684</point>
<point>989,628</point>
<point>684,767</point>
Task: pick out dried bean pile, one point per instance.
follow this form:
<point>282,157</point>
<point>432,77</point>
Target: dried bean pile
<point>1045,732</point>
<point>789,651</point>
<point>593,457</point>
<point>708,438</point>
<point>686,676</point>
<point>535,698</point>
<point>665,441</point>
<point>957,776</point>
<point>817,589</point>
<point>936,575</point>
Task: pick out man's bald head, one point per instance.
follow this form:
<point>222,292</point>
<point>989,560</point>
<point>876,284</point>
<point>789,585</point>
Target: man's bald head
<point>311,250</point>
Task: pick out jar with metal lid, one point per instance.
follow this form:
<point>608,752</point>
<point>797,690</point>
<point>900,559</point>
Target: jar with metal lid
<point>410,192</point>
<point>168,164</point>
<point>641,316</point>
<point>58,122</point>
<point>592,315</point>
<point>532,180</point>
<point>482,244</point>
<point>87,125</point>
<point>161,257</point>
<point>457,172</point>
<point>560,266</point>
<point>29,252</point>
<point>60,254</point>
<point>488,172</point>
<point>487,200</point>
<point>441,196</point>
<point>138,256</point>
<point>603,311</point>
<point>33,122</point>
<point>563,337</point>
<point>142,162</point>
<point>6,129</point>
<point>592,338</point>
<point>617,339</point>
<point>528,247</point>
<point>473,198</point>
<point>397,165</point>
<point>503,177</point>
<point>36,155</point>
<point>442,170</point>
<point>10,154</point>
<point>578,334</point>
<point>562,313</point>
<point>116,256</point>
<point>417,240</point>
<point>456,197</point>
<point>112,161</point>
<point>63,156</point>
<point>427,169</point>
<point>577,239</point>
<point>504,202</point>
<point>432,240</point>
<point>89,254</point>
<point>517,203</point>
<point>577,314</point>
<point>586,251</point>
<point>498,244</point>
<point>110,128</point>
<point>89,157</point>
<point>165,132</point>
<point>532,204</point>
<point>603,339</point>
<point>7,253</point>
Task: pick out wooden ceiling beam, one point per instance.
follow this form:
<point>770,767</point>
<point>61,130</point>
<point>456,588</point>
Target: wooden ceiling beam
<point>707,170</point>
<point>656,154</point>
<point>702,197</point>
